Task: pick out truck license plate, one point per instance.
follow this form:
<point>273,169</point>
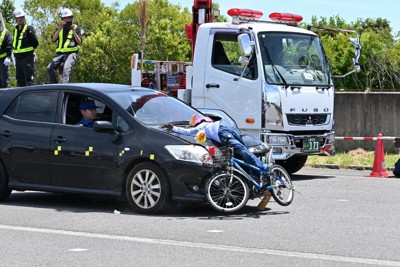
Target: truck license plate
<point>311,144</point>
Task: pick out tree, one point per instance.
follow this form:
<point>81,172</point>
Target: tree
<point>166,36</point>
<point>379,55</point>
<point>106,52</point>
<point>7,9</point>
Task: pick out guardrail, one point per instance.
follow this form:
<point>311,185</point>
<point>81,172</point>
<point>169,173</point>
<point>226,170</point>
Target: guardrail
<point>389,138</point>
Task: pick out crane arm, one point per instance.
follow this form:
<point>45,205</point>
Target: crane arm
<point>201,13</point>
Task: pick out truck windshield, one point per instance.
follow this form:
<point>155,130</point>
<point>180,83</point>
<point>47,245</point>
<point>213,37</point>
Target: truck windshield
<point>293,59</point>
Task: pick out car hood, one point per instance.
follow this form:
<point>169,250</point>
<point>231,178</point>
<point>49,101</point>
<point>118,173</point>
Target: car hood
<point>192,140</point>
<point>255,145</point>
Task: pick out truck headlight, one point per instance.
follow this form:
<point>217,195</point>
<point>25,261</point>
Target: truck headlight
<point>278,140</point>
<point>191,153</point>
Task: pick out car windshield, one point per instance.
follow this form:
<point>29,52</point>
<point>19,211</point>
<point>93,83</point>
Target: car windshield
<point>217,114</point>
<point>293,59</point>
<point>154,108</point>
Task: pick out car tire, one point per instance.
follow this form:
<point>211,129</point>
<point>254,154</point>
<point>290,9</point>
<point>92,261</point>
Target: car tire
<point>147,188</point>
<point>4,190</point>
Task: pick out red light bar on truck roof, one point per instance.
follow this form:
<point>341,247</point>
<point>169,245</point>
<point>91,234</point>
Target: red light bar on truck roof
<point>285,17</point>
<point>245,13</point>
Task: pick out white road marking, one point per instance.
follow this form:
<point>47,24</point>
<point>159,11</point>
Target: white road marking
<point>264,251</point>
<point>78,249</point>
<point>215,231</point>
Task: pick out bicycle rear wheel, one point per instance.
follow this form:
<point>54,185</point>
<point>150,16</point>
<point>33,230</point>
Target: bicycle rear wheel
<point>227,193</point>
<point>282,187</point>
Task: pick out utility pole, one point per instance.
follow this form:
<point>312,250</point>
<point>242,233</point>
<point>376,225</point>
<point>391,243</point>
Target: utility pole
<point>144,23</point>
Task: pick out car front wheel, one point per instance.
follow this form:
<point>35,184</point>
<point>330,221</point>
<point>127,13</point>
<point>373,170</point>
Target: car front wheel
<point>147,188</point>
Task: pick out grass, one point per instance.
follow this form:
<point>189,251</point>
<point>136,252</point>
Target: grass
<point>358,157</point>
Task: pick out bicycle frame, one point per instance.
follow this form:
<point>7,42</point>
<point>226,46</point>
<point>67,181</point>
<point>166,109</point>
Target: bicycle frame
<point>237,164</point>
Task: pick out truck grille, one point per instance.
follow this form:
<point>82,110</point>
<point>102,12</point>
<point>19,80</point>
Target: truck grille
<point>303,119</point>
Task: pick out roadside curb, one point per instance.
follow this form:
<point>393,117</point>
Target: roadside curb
<point>348,167</point>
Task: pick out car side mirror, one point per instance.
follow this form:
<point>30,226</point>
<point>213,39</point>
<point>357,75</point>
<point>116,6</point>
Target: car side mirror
<point>103,127</point>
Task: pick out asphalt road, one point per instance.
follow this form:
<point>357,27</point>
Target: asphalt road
<point>338,218</point>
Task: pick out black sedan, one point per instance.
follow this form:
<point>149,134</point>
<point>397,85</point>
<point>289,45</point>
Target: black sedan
<point>126,154</point>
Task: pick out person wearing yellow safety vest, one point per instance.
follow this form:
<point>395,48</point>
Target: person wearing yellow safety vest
<point>24,44</point>
<point>5,55</point>
<point>69,37</point>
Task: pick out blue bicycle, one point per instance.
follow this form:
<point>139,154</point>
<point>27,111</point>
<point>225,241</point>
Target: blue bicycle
<point>235,181</point>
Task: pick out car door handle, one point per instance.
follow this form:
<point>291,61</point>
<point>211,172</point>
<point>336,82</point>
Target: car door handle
<point>59,139</point>
<point>212,85</point>
<point>6,133</point>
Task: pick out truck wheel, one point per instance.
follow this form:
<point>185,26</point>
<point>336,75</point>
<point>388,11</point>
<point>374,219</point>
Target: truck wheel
<point>294,163</point>
<point>4,190</point>
<point>147,188</point>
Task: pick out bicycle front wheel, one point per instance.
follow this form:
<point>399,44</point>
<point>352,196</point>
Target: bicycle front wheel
<point>282,187</point>
<point>227,193</point>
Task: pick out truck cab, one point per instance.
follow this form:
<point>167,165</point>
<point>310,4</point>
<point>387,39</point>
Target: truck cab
<point>271,77</point>
<point>280,91</point>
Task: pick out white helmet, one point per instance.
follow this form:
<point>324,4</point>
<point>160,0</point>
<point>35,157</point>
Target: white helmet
<point>19,13</point>
<point>66,12</point>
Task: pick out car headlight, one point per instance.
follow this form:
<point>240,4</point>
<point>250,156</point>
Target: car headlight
<point>277,140</point>
<point>191,153</point>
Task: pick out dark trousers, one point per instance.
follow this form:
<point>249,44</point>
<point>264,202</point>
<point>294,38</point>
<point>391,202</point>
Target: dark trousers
<point>231,136</point>
<point>25,70</point>
<point>68,59</point>
<point>4,74</point>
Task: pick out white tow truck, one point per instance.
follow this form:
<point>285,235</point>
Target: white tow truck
<point>271,77</point>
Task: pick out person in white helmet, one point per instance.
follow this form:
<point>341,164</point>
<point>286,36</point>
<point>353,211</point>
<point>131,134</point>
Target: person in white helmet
<point>24,44</point>
<point>69,37</point>
<point>5,56</point>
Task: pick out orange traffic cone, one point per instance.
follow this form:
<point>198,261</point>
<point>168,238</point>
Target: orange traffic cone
<point>379,169</point>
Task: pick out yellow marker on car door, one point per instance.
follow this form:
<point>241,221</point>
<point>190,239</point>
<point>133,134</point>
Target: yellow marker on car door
<point>87,152</point>
<point>57,150</point>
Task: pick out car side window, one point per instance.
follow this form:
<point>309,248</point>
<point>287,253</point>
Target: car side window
<point>71,109</point>
<point>34,106</point>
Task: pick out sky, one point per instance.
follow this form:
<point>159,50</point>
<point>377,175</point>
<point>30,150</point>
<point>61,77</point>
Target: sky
<point>349,10</point>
